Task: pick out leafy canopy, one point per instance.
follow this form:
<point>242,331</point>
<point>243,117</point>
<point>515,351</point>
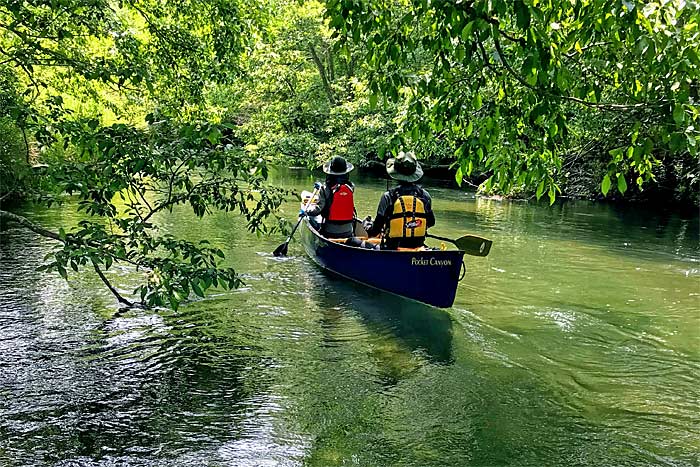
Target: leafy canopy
<point>505,81</point>
<point>77,59</point>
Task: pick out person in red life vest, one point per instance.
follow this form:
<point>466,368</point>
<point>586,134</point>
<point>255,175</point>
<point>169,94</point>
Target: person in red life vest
<point>336,202</point>
<point>405,212</point>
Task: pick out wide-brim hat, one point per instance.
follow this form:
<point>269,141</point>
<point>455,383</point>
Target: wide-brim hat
<point>404,167</point>
<point>337,166</point>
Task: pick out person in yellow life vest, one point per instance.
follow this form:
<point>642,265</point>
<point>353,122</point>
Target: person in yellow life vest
<point>405,212</point>
<point>336,202</point>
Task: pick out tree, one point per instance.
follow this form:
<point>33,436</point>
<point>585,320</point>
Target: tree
<point>509,81</point>
<point>303,102</point>
<point>132,56</point>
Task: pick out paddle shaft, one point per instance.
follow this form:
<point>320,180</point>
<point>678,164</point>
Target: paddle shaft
<point>437,237</point>
<point>282,249</point>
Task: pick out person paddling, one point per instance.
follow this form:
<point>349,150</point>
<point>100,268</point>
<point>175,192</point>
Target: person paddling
<point>336,203</point>
<point>405,212</point>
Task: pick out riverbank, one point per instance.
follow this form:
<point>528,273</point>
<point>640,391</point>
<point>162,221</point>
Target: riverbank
<point>655,195</point>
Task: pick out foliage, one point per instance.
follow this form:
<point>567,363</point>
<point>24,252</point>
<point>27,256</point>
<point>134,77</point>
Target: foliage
<point>587,158</point>
<point>302,102</point>
<point>130,43</point>
<point>92,70</point>
<point>125,176</point>
<point>505,81</point>
<point>13,167</point>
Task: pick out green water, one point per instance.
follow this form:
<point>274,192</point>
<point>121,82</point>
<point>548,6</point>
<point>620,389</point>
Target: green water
<point>576,342</point>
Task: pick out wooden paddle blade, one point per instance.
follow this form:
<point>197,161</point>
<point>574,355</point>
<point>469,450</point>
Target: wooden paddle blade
<point>473,245</point>
<point>281,250</point>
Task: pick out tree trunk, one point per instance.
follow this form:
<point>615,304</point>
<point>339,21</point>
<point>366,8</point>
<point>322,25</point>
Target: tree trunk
<point>331,64</point>
<point>322,72</point>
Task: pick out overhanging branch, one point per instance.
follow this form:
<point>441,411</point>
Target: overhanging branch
<point>27,224</point>
<point>603,106</point>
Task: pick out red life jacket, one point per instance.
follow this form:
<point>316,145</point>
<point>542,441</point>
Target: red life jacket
<point>342,207</point>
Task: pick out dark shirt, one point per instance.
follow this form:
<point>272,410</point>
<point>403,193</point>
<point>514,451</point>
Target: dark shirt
<point>324,202</point>
<point>386,209</point>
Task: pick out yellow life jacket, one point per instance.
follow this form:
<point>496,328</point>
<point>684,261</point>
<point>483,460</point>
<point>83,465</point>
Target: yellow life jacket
<point>408,219</point>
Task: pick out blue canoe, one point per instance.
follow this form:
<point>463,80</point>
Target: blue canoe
<point>429,276</point>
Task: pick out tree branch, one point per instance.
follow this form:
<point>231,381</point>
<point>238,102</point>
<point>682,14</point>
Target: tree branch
<point>322,72</point>
<point>26,223</point>
<point>604,106</point>
<point>111,287</point>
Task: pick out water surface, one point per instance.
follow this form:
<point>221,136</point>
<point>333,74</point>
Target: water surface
<point>576,342</point>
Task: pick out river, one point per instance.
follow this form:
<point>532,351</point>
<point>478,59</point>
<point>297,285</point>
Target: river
<point>576,342</point>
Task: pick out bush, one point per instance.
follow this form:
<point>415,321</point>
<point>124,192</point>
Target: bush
<point>14,169</point>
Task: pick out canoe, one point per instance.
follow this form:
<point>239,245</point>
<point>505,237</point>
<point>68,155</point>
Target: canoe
<point>427,276</point>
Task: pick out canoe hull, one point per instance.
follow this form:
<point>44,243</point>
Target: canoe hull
<point>430,277</point>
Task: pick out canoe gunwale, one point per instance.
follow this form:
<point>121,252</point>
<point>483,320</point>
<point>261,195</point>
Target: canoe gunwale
<point>379,251</point>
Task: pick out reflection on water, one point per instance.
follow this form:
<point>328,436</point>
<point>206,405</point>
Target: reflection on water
<point>415,326</point>
<point>576,342</point>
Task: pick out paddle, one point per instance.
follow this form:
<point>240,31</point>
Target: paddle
<point>470,244</point>
<point>282,249</point>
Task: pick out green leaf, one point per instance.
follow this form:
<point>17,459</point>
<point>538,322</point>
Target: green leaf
<point>522,15</point>
<point>678,114</point>
<point>605,186</point>
<point>197,290</point>
<point>476,102</point>
<point>467,31</point>
<point>635,131</point>
<point>540,189</point>
<point>621,183</point>
<point>373,101</point>
<point>214,136</point>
